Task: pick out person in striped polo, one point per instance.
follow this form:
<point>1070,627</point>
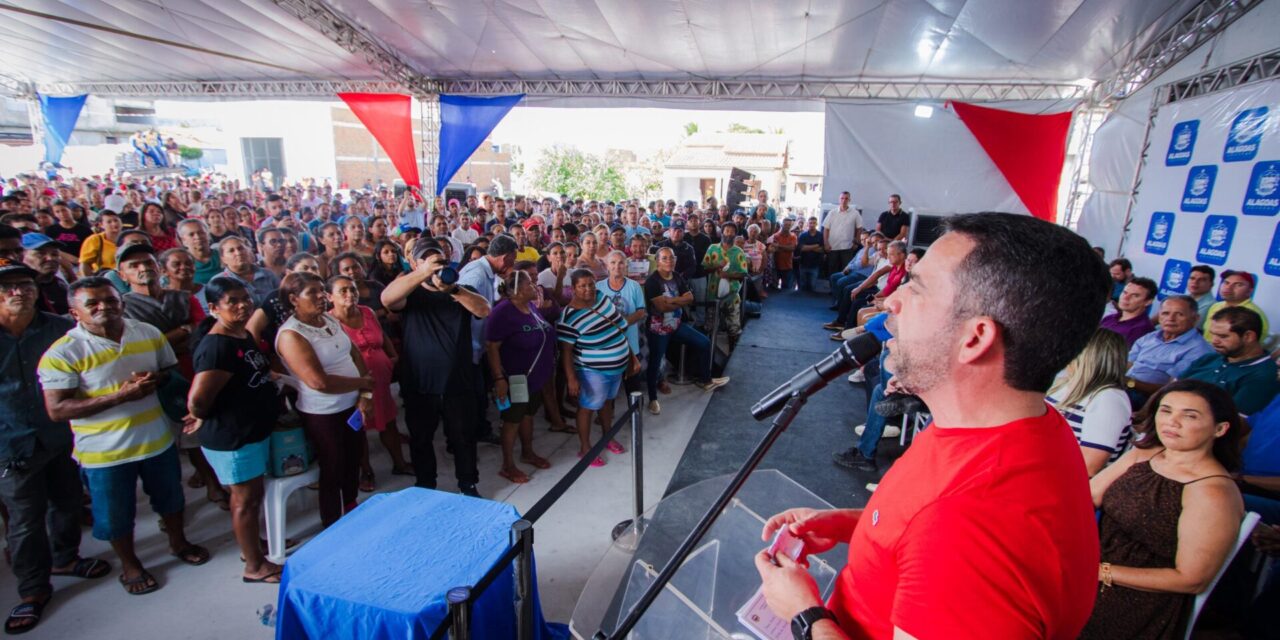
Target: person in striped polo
<point>595,354</point>
<point>102,377</point>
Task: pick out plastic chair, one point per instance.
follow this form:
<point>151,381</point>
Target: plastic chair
<point>274,506</point>
<point>1246,528</point>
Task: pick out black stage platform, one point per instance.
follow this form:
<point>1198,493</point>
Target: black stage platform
<point>786,338</point>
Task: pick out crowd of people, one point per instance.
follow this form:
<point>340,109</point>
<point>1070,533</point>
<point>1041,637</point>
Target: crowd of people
<point>1174,402</point>
<point>155,319</point>
<point>150,318</point>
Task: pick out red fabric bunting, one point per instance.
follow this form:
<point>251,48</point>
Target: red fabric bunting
<point>388,116</point>
<point>1028,149</point>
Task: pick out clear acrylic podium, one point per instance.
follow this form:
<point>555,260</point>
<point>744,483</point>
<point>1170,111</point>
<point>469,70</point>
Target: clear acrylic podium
<point>703,598</point>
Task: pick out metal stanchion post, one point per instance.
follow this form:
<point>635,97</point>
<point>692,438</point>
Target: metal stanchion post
<point>680,371</point>
<point>637,457</point>
<point>626,534</point>
<point>459,599</point>
<point>522,537</point>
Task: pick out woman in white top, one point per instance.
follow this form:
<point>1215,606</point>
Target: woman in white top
<point>1090,395</point>
<point>334,382</point>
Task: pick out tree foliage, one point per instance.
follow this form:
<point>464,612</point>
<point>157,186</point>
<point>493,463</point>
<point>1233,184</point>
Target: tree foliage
<point>569,170</point>
<point>737,127</point>
<point>690,128</point>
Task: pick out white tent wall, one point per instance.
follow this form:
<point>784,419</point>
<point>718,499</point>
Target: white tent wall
<point>875,149</point>
<point>1118,142</point>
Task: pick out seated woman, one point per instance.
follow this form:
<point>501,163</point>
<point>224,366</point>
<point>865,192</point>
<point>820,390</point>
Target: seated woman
<point>1170,512</point>
<point>1090,395</point>
<point>877,302</point>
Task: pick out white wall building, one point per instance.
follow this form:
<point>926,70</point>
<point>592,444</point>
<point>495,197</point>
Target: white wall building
<point>700,167</point>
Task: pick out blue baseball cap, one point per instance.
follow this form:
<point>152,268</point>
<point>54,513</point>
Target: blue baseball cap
<point>33,241</point>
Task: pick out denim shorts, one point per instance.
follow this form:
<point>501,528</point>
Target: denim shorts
<point>241,465</point>
<point>596,388</point>
<point>114,491</point>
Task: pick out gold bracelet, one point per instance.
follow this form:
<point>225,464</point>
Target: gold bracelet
<point>1106,575</point>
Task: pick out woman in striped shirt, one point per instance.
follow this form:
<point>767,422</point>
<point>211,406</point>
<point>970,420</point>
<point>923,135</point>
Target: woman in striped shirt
<point>595,355</point>
<point>1090,395</point>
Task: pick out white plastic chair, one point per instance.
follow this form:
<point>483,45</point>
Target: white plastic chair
<point>1246,528</point>
<point>274,506</point>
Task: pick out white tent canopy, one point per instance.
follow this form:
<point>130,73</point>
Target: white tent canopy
<point>67,42</point>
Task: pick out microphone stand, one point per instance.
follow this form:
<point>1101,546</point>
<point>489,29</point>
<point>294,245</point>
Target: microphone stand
<point>780,424</point>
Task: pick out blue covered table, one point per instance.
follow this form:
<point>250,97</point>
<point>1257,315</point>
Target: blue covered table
<point>382,571</point>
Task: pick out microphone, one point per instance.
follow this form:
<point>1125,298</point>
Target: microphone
<point>854,353</point>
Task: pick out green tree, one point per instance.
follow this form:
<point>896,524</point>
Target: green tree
<point>690,128</point>
<point>569,170</point>
<point>737,127</point>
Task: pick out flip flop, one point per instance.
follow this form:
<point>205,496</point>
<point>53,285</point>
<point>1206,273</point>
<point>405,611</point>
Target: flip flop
<point>223,502</point>
<point>516,476</point>
<point>86,568</point>
<point>598,462</point>
<point>406,470</point>
<point>270,578</point>
<point>194,555</point>
<point>564,429</point>
<point>366,482</point>
<point>536,461</point>
<point>615,447</point>
<point>24,611</point>
<point>143,578</point>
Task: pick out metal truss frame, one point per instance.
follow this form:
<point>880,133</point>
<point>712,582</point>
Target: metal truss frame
<point>1263,66</point>
<point>1199,25</point>
<point>346,34</point>
<point>690,89</point>
<point>223,89</point>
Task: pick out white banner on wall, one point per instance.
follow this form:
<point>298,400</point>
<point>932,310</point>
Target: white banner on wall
<point>1210,192</point>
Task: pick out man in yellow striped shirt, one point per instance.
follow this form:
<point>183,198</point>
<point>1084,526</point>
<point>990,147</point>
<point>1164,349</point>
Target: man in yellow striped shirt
<point>102,377</point>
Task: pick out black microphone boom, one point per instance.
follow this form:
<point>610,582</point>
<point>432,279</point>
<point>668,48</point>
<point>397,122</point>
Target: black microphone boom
<point>854,353</point>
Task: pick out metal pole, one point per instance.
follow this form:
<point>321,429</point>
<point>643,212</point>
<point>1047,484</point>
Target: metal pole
<point>780,424</point>
<point>637,457</point>
<point>522,537</point>
<point>459,599</point>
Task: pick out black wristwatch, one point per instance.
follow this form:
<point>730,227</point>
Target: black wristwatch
<point>802,624</point>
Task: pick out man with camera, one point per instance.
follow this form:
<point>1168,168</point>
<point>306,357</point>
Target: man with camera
<point>439,379</point>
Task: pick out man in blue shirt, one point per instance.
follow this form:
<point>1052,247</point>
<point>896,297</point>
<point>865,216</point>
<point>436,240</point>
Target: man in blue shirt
<point>1165,354</point>
<point>862,265</point>
<point>39,482</point>
<point>1241,365</point>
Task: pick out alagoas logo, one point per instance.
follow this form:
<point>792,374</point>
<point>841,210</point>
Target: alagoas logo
<point>1262,198</point>
<point>1174,280</point>
<point>1245,135</point>
<point>1159,232</point>
<point>1272,266</point>
<point>1182,143</point>
<point>1215,240</point>
<point>1199,189</point>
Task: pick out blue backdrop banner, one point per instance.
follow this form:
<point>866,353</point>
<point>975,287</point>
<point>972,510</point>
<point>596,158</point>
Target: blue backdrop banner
<point>60,115</point>
<point>464,123</point>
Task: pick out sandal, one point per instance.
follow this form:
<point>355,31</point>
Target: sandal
<point>562,429</point>
<point>194,555</point>
<point>406,470</point>
<point>144,579</point>
<point>664,388</point>
<point>537,461</point>
<point>598,462</point>
<point>366,482</point>
<point>270,578</point>
<point>195,481</point>
<point>615,447</point>
<point>86,568</point>
<point>24,611</point>
<point>517,476</point>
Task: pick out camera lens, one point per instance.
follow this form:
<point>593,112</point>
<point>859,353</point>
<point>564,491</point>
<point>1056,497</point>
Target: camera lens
<point>448,275</point>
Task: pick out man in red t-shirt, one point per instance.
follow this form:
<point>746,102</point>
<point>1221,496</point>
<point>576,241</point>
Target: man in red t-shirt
<point>985,527</point>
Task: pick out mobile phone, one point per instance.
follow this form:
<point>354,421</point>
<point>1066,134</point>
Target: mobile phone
<point>787,544</point>
<point>504,404</point>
